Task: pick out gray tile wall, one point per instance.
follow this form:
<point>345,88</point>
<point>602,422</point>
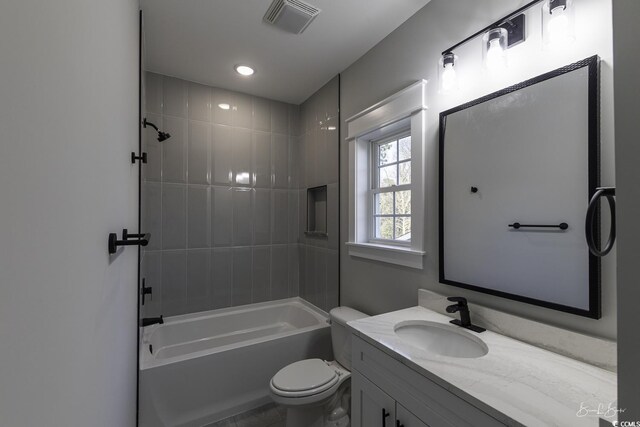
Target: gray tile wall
<point>220,199</point>
<point>319,165</point>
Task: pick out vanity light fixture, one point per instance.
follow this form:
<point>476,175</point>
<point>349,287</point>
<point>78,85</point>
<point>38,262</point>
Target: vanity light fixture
<point>244,70</point>
<point>447,72</point>
<point>503,34</point>
<point>558,23</point>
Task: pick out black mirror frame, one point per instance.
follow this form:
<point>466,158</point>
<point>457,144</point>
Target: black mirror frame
<point>595,304</point>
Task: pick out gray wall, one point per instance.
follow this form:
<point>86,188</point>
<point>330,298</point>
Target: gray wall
<point>410,53</point>
<point>627,94</point>
<point>319,165</point>
<point>68,123</point>
<point>220,198</point>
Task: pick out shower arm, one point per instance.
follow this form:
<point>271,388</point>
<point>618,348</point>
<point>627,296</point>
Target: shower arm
<point>145,123</point>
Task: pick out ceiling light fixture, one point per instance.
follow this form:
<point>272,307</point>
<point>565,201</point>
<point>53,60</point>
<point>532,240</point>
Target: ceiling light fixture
<point>244,70</point>
<point>224,106</point>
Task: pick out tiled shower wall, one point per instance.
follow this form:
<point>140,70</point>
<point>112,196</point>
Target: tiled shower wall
<point>319,165</point>
<point>220,198</point>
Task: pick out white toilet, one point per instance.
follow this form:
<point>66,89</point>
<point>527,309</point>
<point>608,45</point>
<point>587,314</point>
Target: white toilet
<point>317,393</point>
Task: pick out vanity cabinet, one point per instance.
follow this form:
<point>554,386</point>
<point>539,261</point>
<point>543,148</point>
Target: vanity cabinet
<point>374,407</point>
<point>382,385</point>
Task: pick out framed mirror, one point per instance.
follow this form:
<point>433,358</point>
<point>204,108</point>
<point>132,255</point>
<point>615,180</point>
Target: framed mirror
<point>517,169</point>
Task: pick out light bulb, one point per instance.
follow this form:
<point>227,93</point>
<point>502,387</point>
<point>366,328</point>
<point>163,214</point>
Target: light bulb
<point>495,56</point>
<point>447,72</point>
<point>448,77</point>
<point>558,17</point>
<point>558,27</point>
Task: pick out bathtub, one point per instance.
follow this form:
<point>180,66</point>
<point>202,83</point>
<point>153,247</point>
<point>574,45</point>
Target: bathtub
<point>199,368</point>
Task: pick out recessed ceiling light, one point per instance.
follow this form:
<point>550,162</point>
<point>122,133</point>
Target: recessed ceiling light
<point>244,70</point>
<point>224,106</point>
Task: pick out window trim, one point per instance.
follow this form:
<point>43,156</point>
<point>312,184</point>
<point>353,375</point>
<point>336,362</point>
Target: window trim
<point>404,110</point>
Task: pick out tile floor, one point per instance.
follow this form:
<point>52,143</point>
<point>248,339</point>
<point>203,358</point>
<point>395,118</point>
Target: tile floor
<point>270,415</point>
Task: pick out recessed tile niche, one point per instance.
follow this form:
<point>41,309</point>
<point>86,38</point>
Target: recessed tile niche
<point>317,211</point>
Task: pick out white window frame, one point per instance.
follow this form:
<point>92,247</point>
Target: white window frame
<point>377,190</point>
<point>404,110</point>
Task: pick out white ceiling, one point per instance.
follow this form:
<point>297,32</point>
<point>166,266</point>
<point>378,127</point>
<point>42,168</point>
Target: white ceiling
<point>201,40</point>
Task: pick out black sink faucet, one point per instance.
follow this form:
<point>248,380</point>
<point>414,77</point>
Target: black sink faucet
<point>462,307</point>
<point>148,321</point>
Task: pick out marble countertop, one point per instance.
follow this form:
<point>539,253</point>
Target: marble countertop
<point>515,382</point>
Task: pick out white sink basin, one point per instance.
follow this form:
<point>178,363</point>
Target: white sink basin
<point>442,339</point>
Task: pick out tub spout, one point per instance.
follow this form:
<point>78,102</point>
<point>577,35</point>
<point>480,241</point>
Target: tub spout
<point>147,321</point>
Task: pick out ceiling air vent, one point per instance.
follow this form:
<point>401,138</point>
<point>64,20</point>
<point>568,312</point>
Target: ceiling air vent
<point>292,16</point>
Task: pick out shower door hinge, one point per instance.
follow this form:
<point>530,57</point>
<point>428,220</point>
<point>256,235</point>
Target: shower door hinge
<point>134,157</point>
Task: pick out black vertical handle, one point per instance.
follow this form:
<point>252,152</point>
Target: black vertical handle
<point>385,414</point>
<point>608,193</point>
<point>398,424</point>
<point>146,290</point>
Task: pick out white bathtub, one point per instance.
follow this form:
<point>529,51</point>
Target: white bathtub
<point>199,368</point>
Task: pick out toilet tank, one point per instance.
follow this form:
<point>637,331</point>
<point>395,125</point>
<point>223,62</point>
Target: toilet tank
<point>340,335</point>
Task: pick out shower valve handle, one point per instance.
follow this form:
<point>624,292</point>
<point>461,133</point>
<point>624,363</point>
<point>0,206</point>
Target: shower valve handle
<point>142,157</point>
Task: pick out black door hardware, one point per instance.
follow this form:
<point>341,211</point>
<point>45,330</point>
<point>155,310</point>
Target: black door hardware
<point>462,307</point>
<point>516,226</point>
<point>143,157</point>
<point>147,321</point>
<point>398,424</point>
<point>609,193</point>
<point>146,290</point>
<point>385,414</point>
<point>127,240</point>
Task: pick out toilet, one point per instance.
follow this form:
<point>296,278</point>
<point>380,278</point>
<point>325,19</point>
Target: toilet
<point>317,393</point>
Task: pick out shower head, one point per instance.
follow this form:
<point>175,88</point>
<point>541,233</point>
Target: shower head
<point>162,136</point>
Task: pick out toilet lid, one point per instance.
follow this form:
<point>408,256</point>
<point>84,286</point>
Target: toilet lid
<point>310,374</point>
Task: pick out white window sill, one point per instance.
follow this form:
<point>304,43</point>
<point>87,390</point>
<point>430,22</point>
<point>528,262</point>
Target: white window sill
<point>399,255</point>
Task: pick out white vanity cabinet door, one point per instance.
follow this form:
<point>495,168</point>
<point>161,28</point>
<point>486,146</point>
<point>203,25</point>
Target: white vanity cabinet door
<point>429,402</point>
<point>370,406</point>
<point>407,419</point>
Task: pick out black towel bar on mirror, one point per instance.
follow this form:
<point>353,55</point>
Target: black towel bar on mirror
<point>516,226</point>
<point>127,240</point>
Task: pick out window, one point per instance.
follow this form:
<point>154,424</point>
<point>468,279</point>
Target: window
<point>391,190</point>
<point>386,179</point>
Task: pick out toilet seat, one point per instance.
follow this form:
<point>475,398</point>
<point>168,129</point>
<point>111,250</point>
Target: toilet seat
<point>304,378</point>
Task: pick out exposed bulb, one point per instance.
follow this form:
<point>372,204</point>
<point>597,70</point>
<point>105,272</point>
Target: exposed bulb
<point>558,27</point>
<point>448,78</point>
<point>495,56</point>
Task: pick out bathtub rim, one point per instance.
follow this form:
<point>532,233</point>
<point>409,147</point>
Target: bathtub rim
<point>149,362</point>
